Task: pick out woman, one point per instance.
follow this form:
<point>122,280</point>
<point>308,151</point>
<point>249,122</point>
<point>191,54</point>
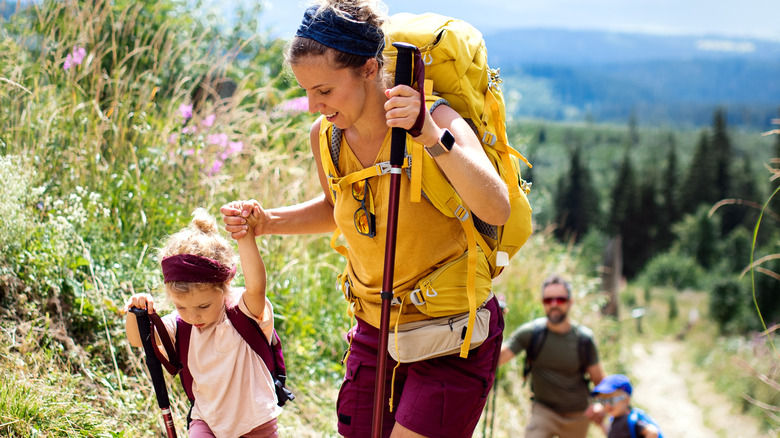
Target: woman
<point>336,56</point>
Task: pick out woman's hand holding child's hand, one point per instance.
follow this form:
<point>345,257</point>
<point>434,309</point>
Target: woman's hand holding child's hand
<point>243,217</point>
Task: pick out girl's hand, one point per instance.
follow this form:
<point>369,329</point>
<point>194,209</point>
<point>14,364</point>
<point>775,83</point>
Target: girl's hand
<point>242,216</point>
<point>140,301</point>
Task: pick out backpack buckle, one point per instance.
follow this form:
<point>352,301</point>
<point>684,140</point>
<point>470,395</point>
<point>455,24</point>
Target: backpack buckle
<point>345,288</point>
<point>461,213</point>
<point>489,138</point>
<point>383,168</point>
<point>416,297</point>
<point>525,186</point>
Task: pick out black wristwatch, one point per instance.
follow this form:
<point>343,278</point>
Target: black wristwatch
<point>443,145</point>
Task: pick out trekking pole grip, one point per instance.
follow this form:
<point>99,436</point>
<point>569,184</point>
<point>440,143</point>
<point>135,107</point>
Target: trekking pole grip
<point>403,76</point>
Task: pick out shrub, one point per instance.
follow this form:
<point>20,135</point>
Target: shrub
<point>727,302</point>
<point>673,270</point>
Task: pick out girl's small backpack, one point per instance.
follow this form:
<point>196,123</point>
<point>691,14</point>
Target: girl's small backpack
<point>270,352</point>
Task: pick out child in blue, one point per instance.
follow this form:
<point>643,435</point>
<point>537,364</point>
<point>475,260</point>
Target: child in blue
<point>613,393</point>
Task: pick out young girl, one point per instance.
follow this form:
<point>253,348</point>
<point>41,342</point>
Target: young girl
<point>233,388</point>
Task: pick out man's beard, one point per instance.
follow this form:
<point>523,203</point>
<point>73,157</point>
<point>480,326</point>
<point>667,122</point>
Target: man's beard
<point>556,316</point>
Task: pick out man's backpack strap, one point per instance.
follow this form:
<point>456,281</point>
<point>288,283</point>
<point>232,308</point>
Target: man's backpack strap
<point>584,349</point>
<point>538,336</point>
<point>252,334</point>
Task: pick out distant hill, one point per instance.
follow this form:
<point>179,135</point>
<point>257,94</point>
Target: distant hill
<point>607,76</point>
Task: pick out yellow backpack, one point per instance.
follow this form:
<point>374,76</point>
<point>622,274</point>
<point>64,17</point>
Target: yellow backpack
<point>456,70</point>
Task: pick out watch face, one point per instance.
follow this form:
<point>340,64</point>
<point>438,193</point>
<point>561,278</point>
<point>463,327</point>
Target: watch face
<point>447,140</point>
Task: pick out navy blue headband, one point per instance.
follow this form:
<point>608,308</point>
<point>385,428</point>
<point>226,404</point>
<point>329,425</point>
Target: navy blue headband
<point>343,33</point>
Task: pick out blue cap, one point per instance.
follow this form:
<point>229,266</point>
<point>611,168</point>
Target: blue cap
<point>612,383</point>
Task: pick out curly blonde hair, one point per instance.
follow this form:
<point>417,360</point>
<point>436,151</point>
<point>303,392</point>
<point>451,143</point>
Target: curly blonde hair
<point>201,237</point>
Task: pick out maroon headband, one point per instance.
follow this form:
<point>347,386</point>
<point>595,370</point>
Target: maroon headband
<point>195,269</point>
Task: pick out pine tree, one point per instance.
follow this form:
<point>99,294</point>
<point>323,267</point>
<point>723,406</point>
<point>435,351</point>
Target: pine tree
<point>722,151</point>
<point>668,211</point>
<point>640,230</point>
<point>576,201</point>
<point>699,186</point>
<point>723,154</point>
<point>623,198</point>
<point>745,189</point>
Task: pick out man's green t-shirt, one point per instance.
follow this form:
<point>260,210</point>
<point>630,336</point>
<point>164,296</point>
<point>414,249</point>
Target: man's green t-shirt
<point>556,379</point>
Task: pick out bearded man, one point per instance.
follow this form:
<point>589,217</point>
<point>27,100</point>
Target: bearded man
<point>561,358</point>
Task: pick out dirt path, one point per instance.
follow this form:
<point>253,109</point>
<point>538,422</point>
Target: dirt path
<point>681,398</point>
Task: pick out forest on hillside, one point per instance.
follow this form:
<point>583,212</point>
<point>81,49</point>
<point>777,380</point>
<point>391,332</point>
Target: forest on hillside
<point>685,204</point>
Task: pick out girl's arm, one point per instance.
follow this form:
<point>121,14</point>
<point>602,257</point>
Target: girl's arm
<point>466,166</point>
<point>252,264</point>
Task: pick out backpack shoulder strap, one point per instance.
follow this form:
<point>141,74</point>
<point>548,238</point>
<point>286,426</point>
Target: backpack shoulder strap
<point>269,352</point>
<point>538,336</point>
<point>633,417</point>
<point>584,343</point>
<point>183,331</point>
<point>252,334</point>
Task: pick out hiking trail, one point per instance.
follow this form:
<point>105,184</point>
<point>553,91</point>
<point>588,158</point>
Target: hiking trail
<point>681,398</point>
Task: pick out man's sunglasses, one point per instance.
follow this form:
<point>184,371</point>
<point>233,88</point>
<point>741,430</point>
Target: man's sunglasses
<point>556,300</point>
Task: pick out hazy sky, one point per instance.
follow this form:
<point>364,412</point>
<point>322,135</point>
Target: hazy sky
<point>748,18</point>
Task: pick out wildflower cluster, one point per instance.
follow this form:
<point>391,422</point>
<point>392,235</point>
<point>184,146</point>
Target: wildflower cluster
<point>74,58</point>
<point>17,181</point>
<point>196,138</point>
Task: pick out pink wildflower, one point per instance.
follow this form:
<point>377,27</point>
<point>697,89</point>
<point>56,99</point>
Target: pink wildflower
<point>208,121</point>
<point>185,111</point>
<point>216,167</point>
<point>218,139</point>
<point>173,138</point>
<point>75,58</point>
<point>297,105</point>
<point>235,147</point>
<point>232,148</point>
<point>189,129</point>
<point>189,152</point>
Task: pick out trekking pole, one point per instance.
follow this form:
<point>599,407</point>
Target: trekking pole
<point>155,369</point>
<point>403,76</point>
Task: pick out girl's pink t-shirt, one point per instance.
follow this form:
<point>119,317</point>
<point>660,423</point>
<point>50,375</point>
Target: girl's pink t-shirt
<point>233,388</point>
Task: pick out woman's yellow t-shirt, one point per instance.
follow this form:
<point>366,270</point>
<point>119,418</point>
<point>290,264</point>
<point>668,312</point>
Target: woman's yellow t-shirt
<point>426,239</point>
